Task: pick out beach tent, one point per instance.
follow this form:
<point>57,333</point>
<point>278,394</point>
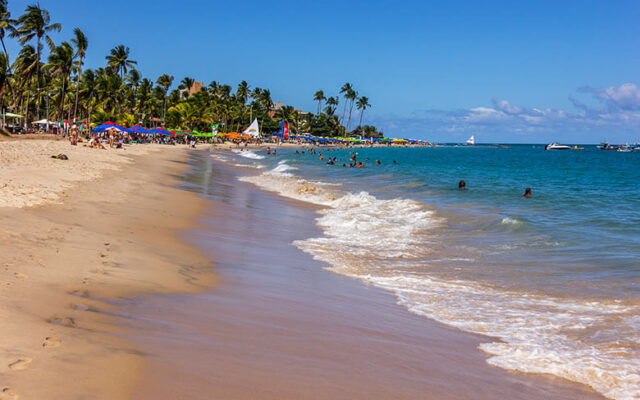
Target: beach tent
<point>253,130</point>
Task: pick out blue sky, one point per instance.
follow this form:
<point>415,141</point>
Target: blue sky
<point>506,71</point>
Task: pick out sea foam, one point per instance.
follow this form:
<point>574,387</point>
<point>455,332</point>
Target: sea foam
<point>375,240</point>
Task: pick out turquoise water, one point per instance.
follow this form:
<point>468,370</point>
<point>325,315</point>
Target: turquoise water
<point>556,277</point>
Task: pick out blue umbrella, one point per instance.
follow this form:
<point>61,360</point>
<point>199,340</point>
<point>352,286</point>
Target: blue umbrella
<point>138,129</point>
<point>109,125</point>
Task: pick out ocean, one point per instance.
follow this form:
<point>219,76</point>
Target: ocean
<point>552,281</point>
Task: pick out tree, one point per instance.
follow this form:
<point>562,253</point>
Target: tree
<point>118,60</point>
<point>185,85</point>
<point>81,43</point>
<point>35,23</point>
<point>88,86</point>
<point>165,82</point>
<point>362,105</point>
<point>61,65</point>
<point>351,95</point>
<point>344,90</point>
<point>6,24</point>
<point>319,97</point>
<point>332,103</point>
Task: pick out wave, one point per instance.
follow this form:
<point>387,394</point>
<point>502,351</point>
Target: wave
<point>382,241</point>
<point>248,154</point>
<point>511,221</point>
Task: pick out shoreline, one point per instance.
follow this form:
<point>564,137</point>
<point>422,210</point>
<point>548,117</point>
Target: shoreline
<point>279,325</point>
<point>90,236</point>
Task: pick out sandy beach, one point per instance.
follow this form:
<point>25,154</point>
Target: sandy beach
<point>279,326</point>
<point>107,285</point>
<point>76,233</point>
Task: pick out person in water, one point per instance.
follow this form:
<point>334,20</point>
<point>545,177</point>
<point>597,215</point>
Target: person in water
<point>527,193</point>
<point>462,185</point>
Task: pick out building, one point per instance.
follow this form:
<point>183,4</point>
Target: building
<point>195,88</point>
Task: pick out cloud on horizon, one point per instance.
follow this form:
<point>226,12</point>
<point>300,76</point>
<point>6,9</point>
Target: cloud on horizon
<point>613,110</point>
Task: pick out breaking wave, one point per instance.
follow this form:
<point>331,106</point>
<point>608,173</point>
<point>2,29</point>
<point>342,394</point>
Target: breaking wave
<point>387,243</point>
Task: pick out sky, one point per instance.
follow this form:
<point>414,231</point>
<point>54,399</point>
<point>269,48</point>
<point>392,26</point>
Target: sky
<point>504,71</point>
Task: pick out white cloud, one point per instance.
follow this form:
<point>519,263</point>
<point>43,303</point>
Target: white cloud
<point>619,112</point>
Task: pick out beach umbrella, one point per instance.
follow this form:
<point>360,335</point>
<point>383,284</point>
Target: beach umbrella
<point>138,129</point>
<point>107,126</point>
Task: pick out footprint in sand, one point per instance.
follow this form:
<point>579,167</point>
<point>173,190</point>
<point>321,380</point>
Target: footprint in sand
<point>51,341</point>
<point>63,321</point>
<point>8,394</point>
<point>21,276</point>
<point>100,271</point>
<point>21,364</point>
<point>86,281</point>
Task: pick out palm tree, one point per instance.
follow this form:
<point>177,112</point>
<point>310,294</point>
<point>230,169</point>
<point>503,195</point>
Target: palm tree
<point>362,105</point>
<point>88,85</point>
<point>35,23</point>
<point>4,78</point>
<point>346,88</point>
<point>81,43</point>
<point>24,67</point>
<point>165,82</point>
<point>242,92</point>
<point>319,97</point>
<point>332,103</point>
<point>61,66</point>
<point>186,84</point>
<point>6,24</point>
<point>351,95</point>
<point>119,61</point>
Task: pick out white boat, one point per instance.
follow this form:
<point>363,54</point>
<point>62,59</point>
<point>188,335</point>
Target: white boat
<point>253,130</point>
<point>556,146</point>
<point>471,141</point>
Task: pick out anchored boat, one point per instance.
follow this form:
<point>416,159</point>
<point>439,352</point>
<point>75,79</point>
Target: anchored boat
<point>556,146</point>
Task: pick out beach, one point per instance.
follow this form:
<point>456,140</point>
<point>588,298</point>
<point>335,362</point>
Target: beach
<point>279,326</point>
<point>77,234</point>
<point>167,273</point>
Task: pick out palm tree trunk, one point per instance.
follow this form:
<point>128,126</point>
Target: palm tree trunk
<point>75,107</point>
<point>361,114</point>
<point>62,100</point>
<point>37,77</point>
<point>164,110</point>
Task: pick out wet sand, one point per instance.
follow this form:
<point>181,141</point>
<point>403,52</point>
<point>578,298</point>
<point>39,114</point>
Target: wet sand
<point>278,326</point>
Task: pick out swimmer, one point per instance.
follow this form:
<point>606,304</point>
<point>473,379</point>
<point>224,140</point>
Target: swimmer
<point>527,193</point>
<point>462,185</point>
<point>378,162</point>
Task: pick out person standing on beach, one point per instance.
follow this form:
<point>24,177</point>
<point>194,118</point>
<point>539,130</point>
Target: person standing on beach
<point>74,135</point>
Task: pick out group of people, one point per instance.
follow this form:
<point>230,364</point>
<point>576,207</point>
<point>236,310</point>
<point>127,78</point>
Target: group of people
<point>462,185</point>
<point>353,162</point>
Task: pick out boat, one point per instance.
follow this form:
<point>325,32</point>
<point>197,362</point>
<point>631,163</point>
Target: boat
<point>556,146</point>
<point>471,141</point>
<point>607,146</point>
<point>626,149</point>
<point>253,130</point>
